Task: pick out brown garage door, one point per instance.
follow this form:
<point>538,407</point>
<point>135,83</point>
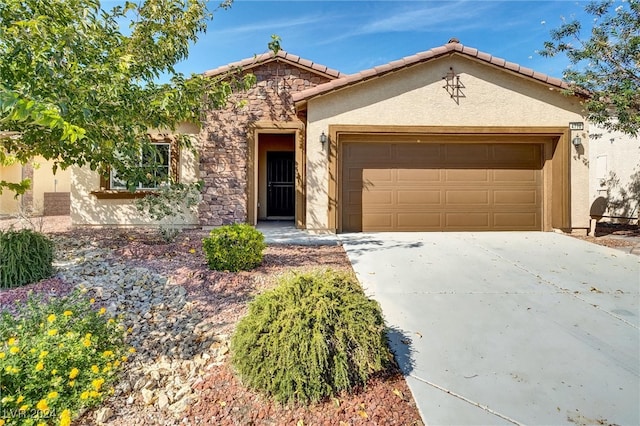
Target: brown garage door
<point>441,186</point>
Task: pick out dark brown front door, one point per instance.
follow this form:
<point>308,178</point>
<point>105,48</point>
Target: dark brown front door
<point>280,184</point>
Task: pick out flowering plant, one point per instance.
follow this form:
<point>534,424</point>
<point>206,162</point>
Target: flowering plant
<point>57,358</point>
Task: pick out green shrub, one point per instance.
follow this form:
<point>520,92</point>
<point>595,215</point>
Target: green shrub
<point>314,335</point>
<point>25,257</point>
<point>236,247</point>
<point>57,358</point>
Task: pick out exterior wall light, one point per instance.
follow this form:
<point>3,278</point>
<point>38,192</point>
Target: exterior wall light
<point>323,139</point>
<point>577,141</point>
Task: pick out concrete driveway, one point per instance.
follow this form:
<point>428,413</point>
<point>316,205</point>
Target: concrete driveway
<point>508,328</point>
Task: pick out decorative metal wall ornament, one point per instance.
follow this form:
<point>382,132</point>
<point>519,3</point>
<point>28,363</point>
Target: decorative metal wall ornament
<point>453,86</point>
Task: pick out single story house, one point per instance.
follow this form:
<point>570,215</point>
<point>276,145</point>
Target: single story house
<point>450,139</point>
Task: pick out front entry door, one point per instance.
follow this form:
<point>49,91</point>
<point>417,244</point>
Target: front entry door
<point>280,184</point>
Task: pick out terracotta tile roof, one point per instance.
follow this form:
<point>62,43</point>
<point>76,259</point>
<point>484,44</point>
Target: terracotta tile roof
<point>280,56</point>
<point>437,52</point>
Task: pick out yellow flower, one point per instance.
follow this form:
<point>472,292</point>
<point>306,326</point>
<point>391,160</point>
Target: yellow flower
<point>192,250</point>
<point>102,311</point>
<point>52,332</point>
<point>43,354</point>
<point>40,366</point>
<point>54,372</point>
<point>51,318</point>
<point>94,394</point>
<point>116,363</point>
<point>132,350</point>
<point>2,422</point>
<point>86,343</point>
<point>97,383</point>
<point>84,395</point>
<point>42,405</point>
<point>110,321</point>
<point>11,341</point>
<point>25,407</point>
<point>107,353</point>
<point>95,369</point>
<point>20,399</point>
<point>14,350</point>
<point>73,373</point>
<point>65,418</point>
<point>67,314</point>
<point>72,383</point>
<point>92,300</point>
<point>2,355</point>
<point>124,358</point>
<point>53,395</point>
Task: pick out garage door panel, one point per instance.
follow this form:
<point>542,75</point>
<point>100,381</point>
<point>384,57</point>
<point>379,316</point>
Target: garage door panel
<point>377,198</point>
<point>513,176</point>
<point>409,199</point>
<point>419,221</point>
<point>417,176</point>
<point>377,221</point>
<point>523,221</point>
<point>520,197</point>
<point>465,175</point>
<point>467,197</point>
<point>467,220</point>
<point>356,151</point>
<point>510,154</point>
<point>441,187</point>
<point>377,175</point>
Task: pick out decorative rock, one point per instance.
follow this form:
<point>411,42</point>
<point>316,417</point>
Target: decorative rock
<point>147,396</point>
<point>174,345</point>
<point>163,400</point>
<point>104,414</point>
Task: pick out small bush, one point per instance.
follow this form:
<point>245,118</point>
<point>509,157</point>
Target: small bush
<point>57,358</point>
<point>313,336</point>
<point>25,257</point>
<point>236,247</point>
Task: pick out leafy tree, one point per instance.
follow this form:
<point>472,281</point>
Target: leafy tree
<point>606,64</point>
<point>81,88</point>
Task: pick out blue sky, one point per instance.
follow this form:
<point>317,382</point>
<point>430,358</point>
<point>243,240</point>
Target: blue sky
<point>354,35</point>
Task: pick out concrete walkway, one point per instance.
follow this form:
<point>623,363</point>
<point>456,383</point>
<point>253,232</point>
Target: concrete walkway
<point>508,328</point>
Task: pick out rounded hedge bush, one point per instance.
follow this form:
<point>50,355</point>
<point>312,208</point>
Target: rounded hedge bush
<point>25,257</point>
<point>313,336</point>
<point>236,247</point>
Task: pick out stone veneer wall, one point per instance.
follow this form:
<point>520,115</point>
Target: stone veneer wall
<point>224,148</point>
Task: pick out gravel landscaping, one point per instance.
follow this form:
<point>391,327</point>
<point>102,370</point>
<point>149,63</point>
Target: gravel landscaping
<point>181,315</point>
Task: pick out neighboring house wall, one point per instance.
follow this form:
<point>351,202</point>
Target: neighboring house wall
<point>225,146</point>
<point>415,97</point>
<point>9,204</point>
<point>91,205</point>
<point>614,174</point>
<point>43,181</point>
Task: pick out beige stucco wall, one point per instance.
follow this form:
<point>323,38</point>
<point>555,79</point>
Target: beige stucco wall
<point>416,97</point>
<point>613,152</point>
<point>43,180</point>
<point>87,209</point>
<point>8,203</point>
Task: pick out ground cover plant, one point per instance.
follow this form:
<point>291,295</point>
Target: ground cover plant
<point>57,358</point>
<point>25,257</point>
<point>236,247</point>
<point>314,335</point>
